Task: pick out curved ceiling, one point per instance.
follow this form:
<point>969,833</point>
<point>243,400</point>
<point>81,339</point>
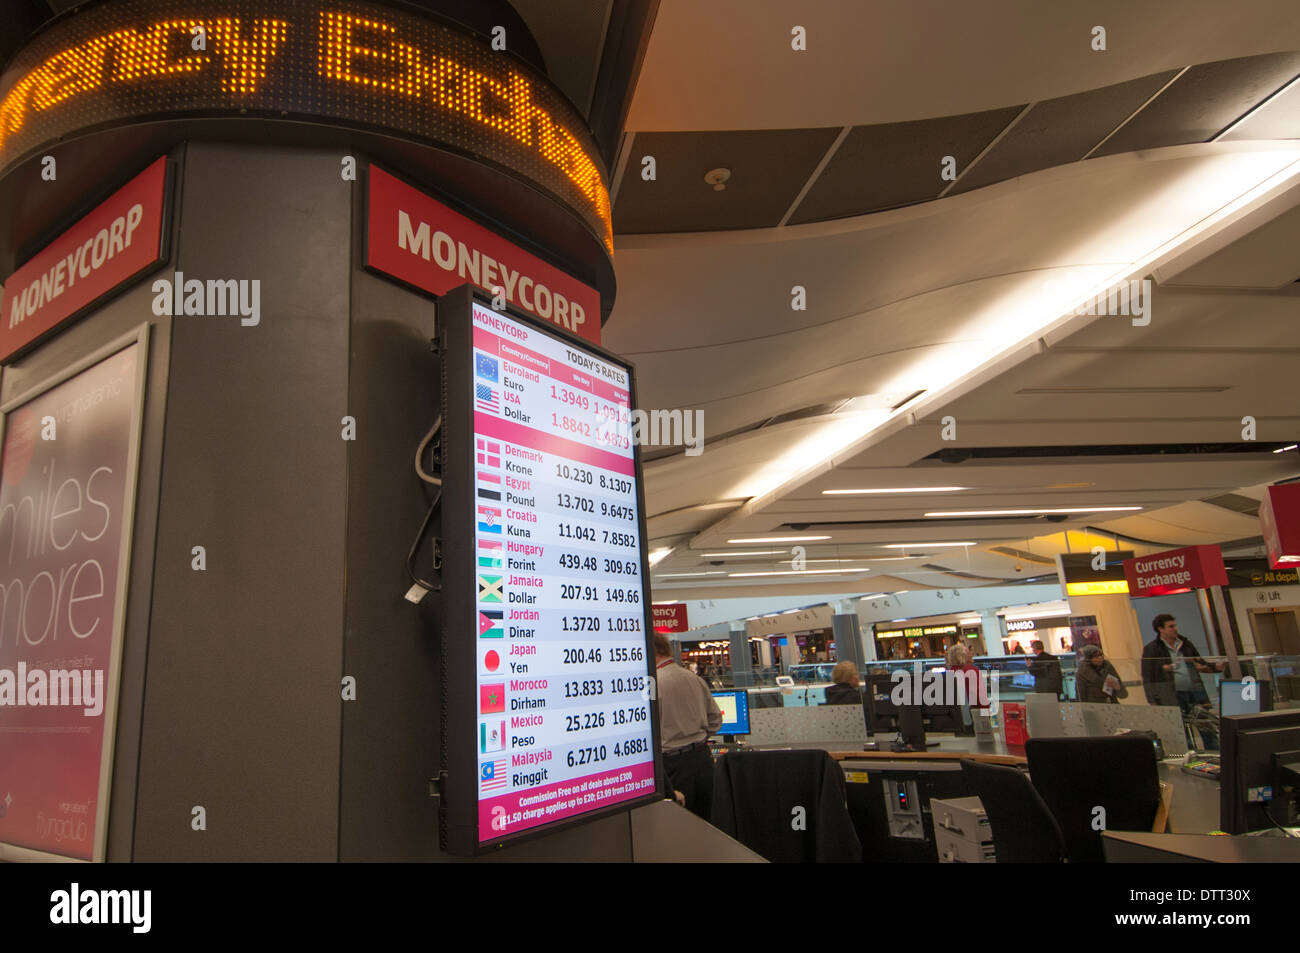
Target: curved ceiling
<point>929,301</point>
<point>728,64</point>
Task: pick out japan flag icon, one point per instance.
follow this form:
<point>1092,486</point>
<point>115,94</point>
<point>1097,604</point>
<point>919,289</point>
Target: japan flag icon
<point>489,661</point>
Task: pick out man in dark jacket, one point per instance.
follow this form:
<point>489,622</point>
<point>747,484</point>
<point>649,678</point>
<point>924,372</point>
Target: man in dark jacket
<point>1170,667</point>
<point>1046,670</point>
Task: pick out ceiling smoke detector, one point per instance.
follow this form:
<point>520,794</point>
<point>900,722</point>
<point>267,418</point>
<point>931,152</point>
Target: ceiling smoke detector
<point>717,178</point>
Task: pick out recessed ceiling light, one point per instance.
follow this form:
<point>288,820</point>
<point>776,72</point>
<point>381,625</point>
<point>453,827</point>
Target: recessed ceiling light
<point>799,572</point>
<point>896,489</point>
<point>777,539</point>
<point>1042,512</point>
<point>922,545</point>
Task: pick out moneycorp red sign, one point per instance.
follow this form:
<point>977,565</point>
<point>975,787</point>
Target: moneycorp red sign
<point>418,240</point>
<point>118,241</point>
<point>1176,570</point>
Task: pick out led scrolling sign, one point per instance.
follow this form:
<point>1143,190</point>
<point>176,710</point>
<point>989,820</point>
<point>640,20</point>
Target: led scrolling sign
<point>353,63</point>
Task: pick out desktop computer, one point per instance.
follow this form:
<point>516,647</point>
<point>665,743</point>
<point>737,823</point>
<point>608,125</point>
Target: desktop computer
<point>1244,698</point>
<point>735,713</point>
<point>1260,771</point>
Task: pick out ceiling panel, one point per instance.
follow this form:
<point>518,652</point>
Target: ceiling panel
<point>892,164</point>
<point>1279,118</point>
<point>1204,101</point>
<point>768,168</point>
<point>570,33</point>
<point>1061,130</point>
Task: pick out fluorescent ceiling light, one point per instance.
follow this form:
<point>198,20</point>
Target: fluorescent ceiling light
<point>897,489</point>
<point>1040,512</point>
<point>658,554</point>
<point>974,620</point>
<point>745,552</point>
<point>1285,449</point>
<point>799,572</point>
<point>679,575</point>
<point>923,545</point>
<point>777,539</point>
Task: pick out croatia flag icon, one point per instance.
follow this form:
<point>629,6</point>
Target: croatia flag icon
<point>489,519</point>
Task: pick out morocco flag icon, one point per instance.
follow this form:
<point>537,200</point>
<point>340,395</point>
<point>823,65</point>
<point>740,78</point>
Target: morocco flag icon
<point>492,698</point>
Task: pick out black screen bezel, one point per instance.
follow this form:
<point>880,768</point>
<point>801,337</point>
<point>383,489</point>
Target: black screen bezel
<point>458,810</point>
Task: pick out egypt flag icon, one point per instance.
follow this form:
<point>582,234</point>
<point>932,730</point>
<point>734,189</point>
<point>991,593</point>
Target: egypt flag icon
<point>489,661</point>
<point>490,589</point>
<point>489,624</point>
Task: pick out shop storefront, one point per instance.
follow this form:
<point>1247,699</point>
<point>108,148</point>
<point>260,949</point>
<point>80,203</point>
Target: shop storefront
<point>1053,632</point>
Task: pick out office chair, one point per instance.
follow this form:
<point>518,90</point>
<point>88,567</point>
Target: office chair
<point>788,806</point>
<point>1024,830</point>
<point>1079,776</point>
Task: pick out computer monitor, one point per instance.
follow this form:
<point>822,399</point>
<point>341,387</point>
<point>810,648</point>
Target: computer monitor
<point>735,712</point>
<point>1250,768</point>
<point>1242,698</point>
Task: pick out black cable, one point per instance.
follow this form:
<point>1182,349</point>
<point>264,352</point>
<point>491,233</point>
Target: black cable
<point>415,548</point>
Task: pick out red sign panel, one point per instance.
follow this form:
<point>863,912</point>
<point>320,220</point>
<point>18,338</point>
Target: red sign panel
<point>62,569</point>
<point>1280,518</point>
<point>118,241</point>
<point>417,239</point>
<point>1177,570</point>
<point>670,618</point>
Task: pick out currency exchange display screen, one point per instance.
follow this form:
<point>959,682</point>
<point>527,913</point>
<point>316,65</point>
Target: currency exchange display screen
<point>563,722</point>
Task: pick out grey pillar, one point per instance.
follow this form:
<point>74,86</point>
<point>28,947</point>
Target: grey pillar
<point>742,664</point>
<point>848,635</point>
<point>994,629</point>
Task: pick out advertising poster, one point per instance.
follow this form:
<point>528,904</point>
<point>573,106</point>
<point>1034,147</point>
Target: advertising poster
<point>1084,631</point>
<point>67,489</point>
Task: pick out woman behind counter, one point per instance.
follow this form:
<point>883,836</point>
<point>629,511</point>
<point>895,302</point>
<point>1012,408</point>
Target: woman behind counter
<point>844,687</point>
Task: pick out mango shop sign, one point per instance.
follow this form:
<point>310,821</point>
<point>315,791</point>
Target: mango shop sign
<point>346,63</point>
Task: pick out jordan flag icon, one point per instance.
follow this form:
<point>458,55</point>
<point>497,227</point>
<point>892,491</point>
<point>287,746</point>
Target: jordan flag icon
<point>489,624</point>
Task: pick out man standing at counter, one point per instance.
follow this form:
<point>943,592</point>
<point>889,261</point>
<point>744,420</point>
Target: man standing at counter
<point>1046,670</point>
<point>1170,667</point>
<point>687,716</point>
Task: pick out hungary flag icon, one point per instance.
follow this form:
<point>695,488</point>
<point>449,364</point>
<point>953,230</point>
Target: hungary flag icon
<point>489,624</point>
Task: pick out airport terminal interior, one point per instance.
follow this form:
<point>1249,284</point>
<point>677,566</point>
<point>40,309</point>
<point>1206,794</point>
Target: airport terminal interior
<point>649,430</point>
